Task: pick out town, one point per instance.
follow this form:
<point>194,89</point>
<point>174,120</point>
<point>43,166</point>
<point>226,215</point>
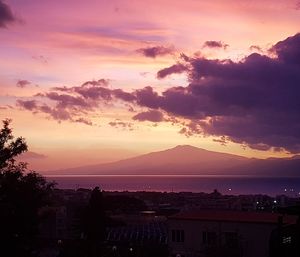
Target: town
<point>173,224</point>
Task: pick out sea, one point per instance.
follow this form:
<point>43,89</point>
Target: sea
<point>234,185</point>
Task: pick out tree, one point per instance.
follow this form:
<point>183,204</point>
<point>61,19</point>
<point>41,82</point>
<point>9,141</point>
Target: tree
<point>95,216</point>
<point>93,223</point>
<point>22,194</point>
<point>10,148</point>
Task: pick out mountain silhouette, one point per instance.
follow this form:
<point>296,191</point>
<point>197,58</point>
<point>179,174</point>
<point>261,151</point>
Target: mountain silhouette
<point>190,160</point>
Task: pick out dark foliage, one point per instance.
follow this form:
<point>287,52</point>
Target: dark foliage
<point>124,204</point>
<point>94,220</point>
<point>22,194</point>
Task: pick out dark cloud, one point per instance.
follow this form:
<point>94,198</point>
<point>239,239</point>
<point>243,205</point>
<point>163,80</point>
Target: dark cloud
<point>120,94</point>
<point>253,102</point>
<point>215,44</point>
<point>155,51</point>
<point>256,48</point>
<point>84,121</point>
<point>90,90</point>
<point>174,69</point>
<point>65,100</point>
<point>54,112</point>
<point>57,112</point>
<point>29,105</point>
<point>100,82</point>
<point>94,92</point>
<point>70,103</point>
<point>147,97</point>
<point>121,124</point>
<point>151,115</point>
<point>222,140</point>
<point>288,50</point>
<point>6,15</point>
<point>191,129</point>
<point>23,83</point>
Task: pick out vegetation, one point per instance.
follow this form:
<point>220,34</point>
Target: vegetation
<point>22,194</point>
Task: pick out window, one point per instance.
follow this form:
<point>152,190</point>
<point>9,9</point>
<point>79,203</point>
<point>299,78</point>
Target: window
<point>177,235</point>
<point>287,240</point>
<point>231,239</point>
<point>209,238</point>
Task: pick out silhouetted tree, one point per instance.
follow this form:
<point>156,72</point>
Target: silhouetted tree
<point>94,223</point>
<point>22,194</point>
<point>95,216</point>
<point>10,148</point>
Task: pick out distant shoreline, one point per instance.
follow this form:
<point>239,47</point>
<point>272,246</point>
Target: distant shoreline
<point>167,175</point>
<point>225,184</point>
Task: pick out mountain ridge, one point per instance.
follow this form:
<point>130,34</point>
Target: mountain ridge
<point>189,160</point>
<point>179,149</point>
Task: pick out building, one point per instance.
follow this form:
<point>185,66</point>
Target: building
<point>285,240</point>
<point>216,233</point>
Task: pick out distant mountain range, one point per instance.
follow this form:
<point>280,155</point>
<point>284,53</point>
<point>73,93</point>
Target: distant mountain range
<point>190,160</point>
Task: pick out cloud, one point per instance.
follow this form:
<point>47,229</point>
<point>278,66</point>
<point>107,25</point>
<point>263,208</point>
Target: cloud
<point>84,121</point>
<point>120,94</point>
<point>90,90</point>
<point>215,44</point>
<point>174,69</point>
<point>121,124</point>
<point>69,101</point>
<point>151,115</point>
<point>6,15</point>
<point>253,102</point>
<point>288,50</point>
<point>29,105</point>
<point>222,140</point>
<point>156,51</point>
<point>100,82</point>
<point>23,83</point>
<point>40,58</point>
<point>58,112</point>
<point>147,97</point>
<point>256,48</point>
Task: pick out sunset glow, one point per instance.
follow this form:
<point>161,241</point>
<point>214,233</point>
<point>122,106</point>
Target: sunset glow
<point>88,82</point>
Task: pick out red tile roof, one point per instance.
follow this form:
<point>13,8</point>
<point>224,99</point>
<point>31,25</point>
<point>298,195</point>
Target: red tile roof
<point>235,216</point>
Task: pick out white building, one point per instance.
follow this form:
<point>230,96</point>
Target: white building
<point>223,233</point>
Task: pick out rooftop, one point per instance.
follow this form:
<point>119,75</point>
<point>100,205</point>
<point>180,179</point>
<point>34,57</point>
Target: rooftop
<point>235,216</point>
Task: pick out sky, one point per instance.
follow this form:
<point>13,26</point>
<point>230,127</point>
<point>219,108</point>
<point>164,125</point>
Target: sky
<point>88,82</point>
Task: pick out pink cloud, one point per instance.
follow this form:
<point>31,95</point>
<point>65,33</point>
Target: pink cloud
<point>23,83</point>
<point>156,51</point>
